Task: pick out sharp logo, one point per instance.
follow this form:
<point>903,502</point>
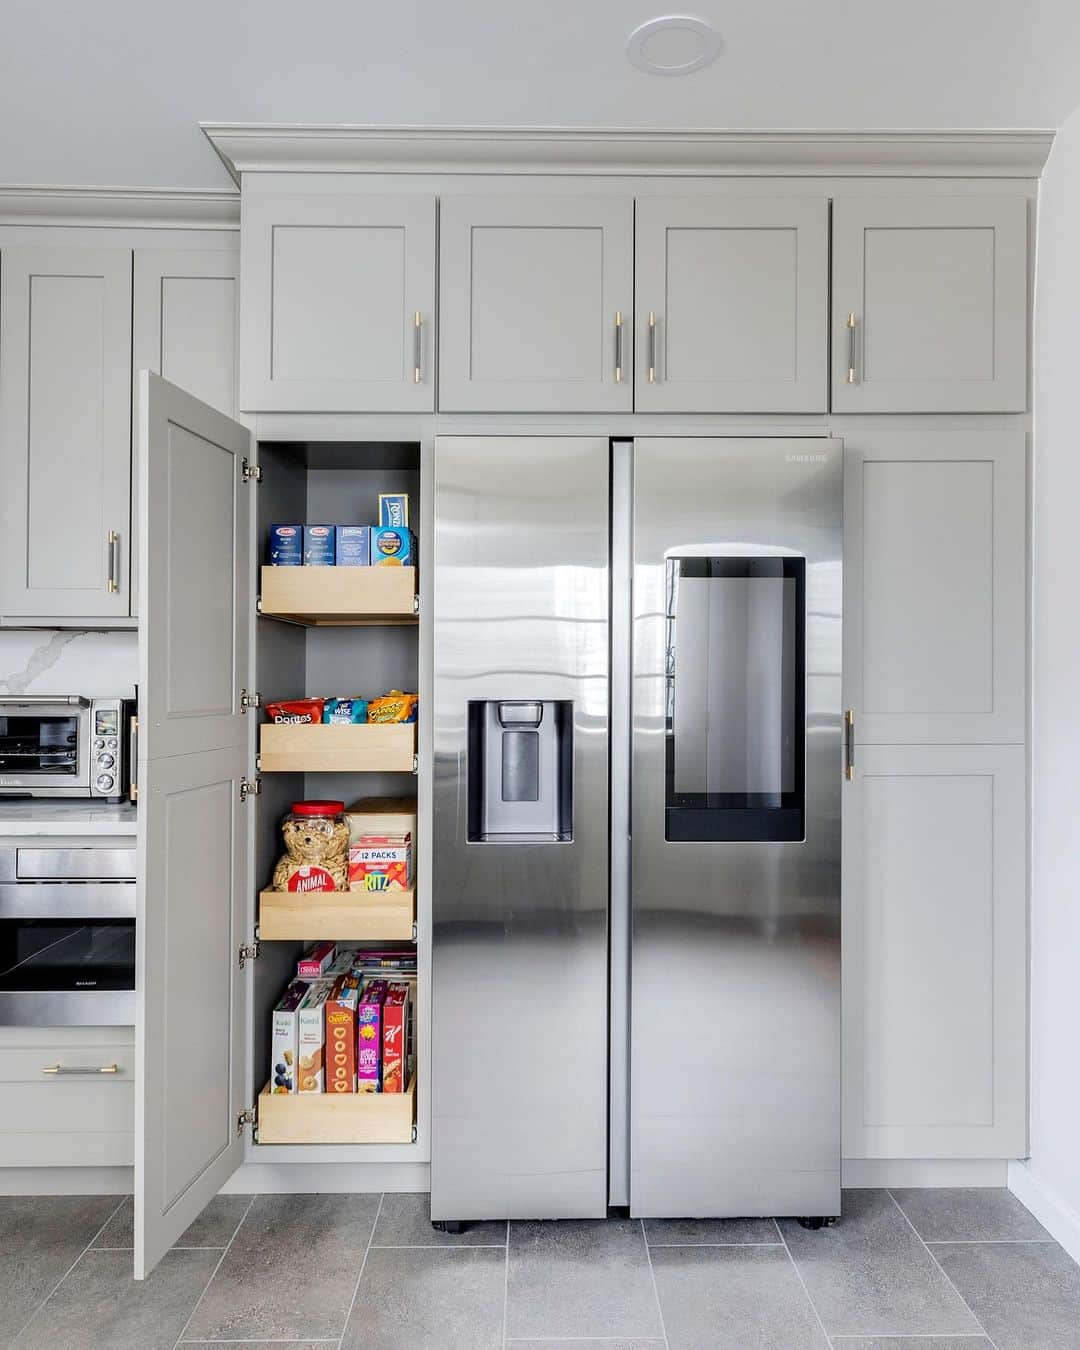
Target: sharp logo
<point>805,459</point>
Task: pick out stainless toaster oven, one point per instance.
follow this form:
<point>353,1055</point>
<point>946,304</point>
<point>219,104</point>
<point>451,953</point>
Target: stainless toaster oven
<point>66,746</point>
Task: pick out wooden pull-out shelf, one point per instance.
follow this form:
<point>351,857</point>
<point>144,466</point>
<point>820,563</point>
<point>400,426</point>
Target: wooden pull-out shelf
<point>359,916</point>
<point>339,596</point>
<point>287,747</point>
<point>337,1117</point>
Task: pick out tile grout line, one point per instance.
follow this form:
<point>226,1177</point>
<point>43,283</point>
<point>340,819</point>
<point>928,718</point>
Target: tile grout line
<point>991,1242</point>
<point>217,1267</point>
<point>506,1283</point>
<point>806,1291</point>
<point>360,1273</point>
<point>655,1287</point>
<point>940,1267</point>
<point>97,1233</point>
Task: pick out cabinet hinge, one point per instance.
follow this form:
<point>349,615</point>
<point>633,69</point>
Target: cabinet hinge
<point>416,604</point>
<point>252,700</point>
<point>414,1132</point>
<point>246,1117</point>
<point>247,951</point>
<point>251,473</point>
<point>414,932</point>
<point>416,763</point>
<point>250,787</point>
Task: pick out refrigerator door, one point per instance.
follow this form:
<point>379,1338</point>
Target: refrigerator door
<point>519,1017</point>
<point>736,782</point>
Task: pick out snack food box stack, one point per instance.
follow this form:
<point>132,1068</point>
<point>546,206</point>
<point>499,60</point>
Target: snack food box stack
<point>381,815</point>
<point>283,1037</point>
<point>314,964</point>
<point>341,1018</point>
<point>397,1036</point>
<point>381,862</point>
<point>369,1035</point>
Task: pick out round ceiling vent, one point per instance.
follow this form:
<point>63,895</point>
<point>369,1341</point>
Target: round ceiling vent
<point>674,44</point>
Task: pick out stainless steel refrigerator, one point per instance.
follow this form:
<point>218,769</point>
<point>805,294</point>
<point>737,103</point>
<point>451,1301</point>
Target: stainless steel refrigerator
<point>639,753</point>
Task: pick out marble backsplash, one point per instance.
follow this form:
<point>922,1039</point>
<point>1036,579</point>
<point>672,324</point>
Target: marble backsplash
<point>45,661</point>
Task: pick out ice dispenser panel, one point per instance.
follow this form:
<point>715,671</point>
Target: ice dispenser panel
<point>521,760</point>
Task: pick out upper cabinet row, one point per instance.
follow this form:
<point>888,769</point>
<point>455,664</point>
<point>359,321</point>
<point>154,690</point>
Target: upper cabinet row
<point>607,304</point>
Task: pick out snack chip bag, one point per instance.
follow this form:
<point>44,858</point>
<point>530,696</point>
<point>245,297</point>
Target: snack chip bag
<point>393,707</point>
<point>348,710</point>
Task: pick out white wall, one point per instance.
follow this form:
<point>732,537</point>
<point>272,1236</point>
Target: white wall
<point>37,661</point>
<point>1054,1170</point>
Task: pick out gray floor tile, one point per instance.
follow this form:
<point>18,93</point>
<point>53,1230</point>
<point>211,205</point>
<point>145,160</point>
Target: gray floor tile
<point>1026,1295</point>
<point>869,1275</point>
<point>290,1271</point>
<point>711,1232</point>
<point>584,1344</point>
<point>213,1228</point>
<point>261,1345</point>
<point>580,1277</point>
<point>734,1298</point>
<point>41,1236</point>
<point>969,1214</point>
<point>429,1300</point>
<point>911,1343</point>
<point>101,1304</point>
<point>405,1221</point>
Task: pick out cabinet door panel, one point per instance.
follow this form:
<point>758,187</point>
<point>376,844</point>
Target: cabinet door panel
<point>935,567</point>
<point>332,285</point>
<point>529,290</point>
<point>739,291</point>
<point>938,287</point>
<point>65,431</point>
<point>935,953</point>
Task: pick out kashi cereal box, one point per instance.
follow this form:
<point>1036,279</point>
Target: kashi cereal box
<point>396,1035</point>
<point>369,1036</point>
<point>283,1045</point>
<point>311,1037</point>
<point>381,862</point>
<point>341,1034</point>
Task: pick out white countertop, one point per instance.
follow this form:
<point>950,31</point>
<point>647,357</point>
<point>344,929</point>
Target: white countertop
<point>41,817</point>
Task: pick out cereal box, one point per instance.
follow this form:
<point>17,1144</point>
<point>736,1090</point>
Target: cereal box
<point>311,1038</point>
<point>341,1034</point>
<point>283,1044</point>
<point>381,862</point>
<point>315,963</point>
<point>369,1036</point>
<point>396,1036</point>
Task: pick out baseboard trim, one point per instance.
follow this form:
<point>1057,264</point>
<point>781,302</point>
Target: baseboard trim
<point>67,1180</point>
<point>864,1173</point>
<point>315,1178</point>
<point>1059,1218</point>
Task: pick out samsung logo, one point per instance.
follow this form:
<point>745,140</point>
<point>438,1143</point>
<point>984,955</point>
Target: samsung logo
<point>805,459</point>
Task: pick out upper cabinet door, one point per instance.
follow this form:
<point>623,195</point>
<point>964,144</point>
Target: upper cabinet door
<point>65,432</point>
<point>929,304</point>
<point>935,569</point>
<point>338,304</point>
<point>536,299</point>
<point>732,304</point>
<point>194,830</point>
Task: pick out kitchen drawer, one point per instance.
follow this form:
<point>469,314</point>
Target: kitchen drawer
<point>27,1063</point>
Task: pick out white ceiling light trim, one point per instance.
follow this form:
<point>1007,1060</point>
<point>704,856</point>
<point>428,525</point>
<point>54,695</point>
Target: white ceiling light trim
<point>694,42</point>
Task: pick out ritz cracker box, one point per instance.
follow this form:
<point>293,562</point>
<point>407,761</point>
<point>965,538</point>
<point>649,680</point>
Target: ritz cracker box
<point>369,1036</point>
<point>341,1009</point>
<point>381,862</point>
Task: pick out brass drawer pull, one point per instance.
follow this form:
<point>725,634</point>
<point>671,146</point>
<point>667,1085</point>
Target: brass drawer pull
<point>851,349</point>
<point>80,1069</point>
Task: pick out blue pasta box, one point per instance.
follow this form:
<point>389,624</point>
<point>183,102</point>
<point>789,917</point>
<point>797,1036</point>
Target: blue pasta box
<point>394,510</point>
<point>286,545</point>
<point>319,546</point>
<point>353,545</point>
<point>392,546</point>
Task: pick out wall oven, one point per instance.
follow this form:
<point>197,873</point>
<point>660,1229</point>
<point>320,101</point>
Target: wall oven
<point>66,746</point>
<point>67,936</point>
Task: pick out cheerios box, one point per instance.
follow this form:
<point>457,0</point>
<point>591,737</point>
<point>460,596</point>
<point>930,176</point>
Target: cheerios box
<point>369,1036</point>
<point>283,1037</point>
<point>341,1034</point>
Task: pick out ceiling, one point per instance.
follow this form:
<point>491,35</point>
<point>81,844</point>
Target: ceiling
<point>110,92</point>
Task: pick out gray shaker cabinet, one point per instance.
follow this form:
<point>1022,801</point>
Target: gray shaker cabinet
<point>338,303</point>
<point>65,432</point>
<point>536,304</point>
<point>732,304</point>
<point>929,304</point>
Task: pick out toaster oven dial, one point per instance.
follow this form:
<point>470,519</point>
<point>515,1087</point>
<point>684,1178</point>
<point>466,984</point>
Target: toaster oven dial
<point>105,761</point>
<point>111,742</point>
<point>105,782</point>
<point>99,744</point>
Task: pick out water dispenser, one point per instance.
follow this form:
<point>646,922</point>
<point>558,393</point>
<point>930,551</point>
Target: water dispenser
<point>521,759</point>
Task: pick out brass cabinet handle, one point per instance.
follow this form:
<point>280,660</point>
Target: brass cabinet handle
<point>849,744</point>
<point>618,346</point>
<point>851,348</point>
<point>652,347</point>
<point>418,326</point>
<point>82,1069</point>
<point>113,584</point>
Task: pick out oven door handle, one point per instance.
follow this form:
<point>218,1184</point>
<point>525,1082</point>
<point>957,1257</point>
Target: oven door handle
<point>39,700</point>
<point>82,1069</point>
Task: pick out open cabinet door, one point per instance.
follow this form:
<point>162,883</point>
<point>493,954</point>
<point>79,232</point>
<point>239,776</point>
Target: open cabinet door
<point>195,584</point>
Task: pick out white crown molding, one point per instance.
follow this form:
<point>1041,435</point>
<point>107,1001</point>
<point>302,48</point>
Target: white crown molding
<point>267,148</point>
<point>163,208</point>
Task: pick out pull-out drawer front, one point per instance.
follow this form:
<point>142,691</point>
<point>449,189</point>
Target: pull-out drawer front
<point>75,864</point>
<point>67,1106</point>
